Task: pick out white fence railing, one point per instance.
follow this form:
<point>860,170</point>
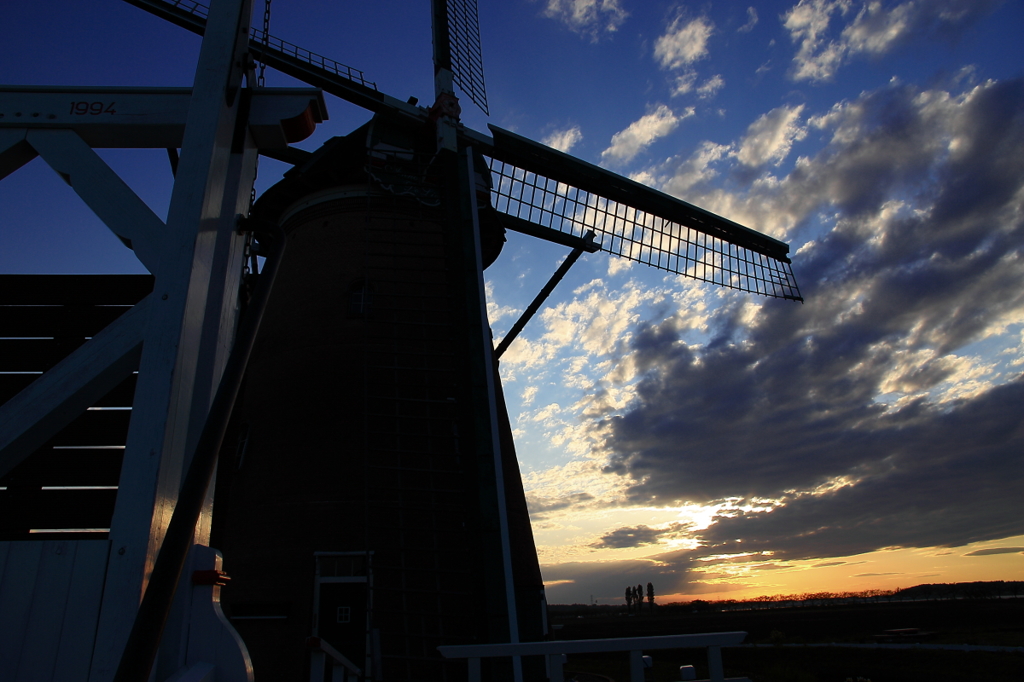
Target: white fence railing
<point>323,657</point>
<point>553,652</point>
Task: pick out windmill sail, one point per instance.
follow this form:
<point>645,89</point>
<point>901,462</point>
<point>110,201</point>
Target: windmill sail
<point>541,191</point>
<point>463,47</point>
<point>554,191</point>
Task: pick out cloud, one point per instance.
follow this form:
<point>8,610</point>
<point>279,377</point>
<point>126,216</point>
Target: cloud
<point>861,419</point>
<point>589,18</point>
<point>875,29</point>
<point>751,21</point>
<point>771,136</point>
<point>607,581</point>
<point>684,43</point>
<point>710,87</point>
<point>996,550</point>
<point>636,536</point>
<point>627,143</point>
<point>564,140</point>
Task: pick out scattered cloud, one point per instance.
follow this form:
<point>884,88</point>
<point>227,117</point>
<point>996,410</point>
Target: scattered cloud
<point>684,82</point>
<point>771,136</point>
<point>862,413</point>
<point>626,144</point>
<point>874,29</point>
<point>564,140</point>
<point>589,18</point>
<point>685,42</point>
<point>637,535</point>
<point>751,21</point>
<point>996,550</point>
<point>710,87</point>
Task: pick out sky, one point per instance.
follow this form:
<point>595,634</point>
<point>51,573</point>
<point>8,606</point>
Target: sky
<point>717,444</point>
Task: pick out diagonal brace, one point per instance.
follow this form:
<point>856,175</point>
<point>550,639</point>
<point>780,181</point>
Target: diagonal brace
<point>538,301</point>
<point>103,191</point>
<point>15,151</point>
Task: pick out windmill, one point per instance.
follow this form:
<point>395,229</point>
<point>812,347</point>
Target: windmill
<point>368,483</point>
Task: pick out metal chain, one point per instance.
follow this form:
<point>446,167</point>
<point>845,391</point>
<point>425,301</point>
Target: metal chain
<point>261,81</point>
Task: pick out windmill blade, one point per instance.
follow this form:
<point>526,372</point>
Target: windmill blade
<point>565,196</point>
<point>545,192</point>
<point>334,77</point>
<point>456,28</point>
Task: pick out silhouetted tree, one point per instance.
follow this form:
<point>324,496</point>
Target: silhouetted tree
<point>650,595</point>
<point>629,599</point>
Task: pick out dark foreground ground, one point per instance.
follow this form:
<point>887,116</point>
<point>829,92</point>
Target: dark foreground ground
<point>990,622</point>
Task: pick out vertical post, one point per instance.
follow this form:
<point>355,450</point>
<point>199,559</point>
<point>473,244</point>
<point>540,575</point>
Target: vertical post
<point>317,664</point>
<point>555,673</point>
<point>467,181</point>
<point>636,666</point>
<point>194,312</point>
<point>715,671</point>
<point>474,669</point>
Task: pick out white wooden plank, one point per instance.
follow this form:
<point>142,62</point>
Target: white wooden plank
<point>16,593</point>
<point>106,117</point>
<point>103,191</point>
<point>53,400</point>
<point>49,602</point>
<point>78,634</point>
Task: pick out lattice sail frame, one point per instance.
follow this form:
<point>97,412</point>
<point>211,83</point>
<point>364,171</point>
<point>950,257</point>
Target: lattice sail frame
<point>638,235</point>
<point>466,52</point>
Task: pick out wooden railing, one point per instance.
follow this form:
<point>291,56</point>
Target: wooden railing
<point>554,651</point>
<point>323,655</point>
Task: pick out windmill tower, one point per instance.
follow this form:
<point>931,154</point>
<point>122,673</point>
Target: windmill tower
<point>367,494</point>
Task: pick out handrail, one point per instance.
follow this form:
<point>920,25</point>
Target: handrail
<point>712,641</point>
<point>321,652</point>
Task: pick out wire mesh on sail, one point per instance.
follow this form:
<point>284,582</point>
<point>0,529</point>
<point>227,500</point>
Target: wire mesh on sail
<point>466,55</point>
<point>638,235</point>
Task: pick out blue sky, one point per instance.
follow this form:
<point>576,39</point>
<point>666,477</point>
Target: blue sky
<point>712,442</point>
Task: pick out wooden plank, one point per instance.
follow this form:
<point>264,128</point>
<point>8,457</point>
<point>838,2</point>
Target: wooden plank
<point>60,509</point>
<point>42,636</point>
<point>17,585</point>
<point>78,635</point>
<point>49,467</point>
<point>74,289</point>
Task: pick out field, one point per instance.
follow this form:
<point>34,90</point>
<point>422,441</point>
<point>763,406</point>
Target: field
<point>784,633</point>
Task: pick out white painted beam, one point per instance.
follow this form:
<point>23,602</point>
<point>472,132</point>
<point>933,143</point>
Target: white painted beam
<point>174,380</point>
<point>103,191</point>
<point>151,117</point>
